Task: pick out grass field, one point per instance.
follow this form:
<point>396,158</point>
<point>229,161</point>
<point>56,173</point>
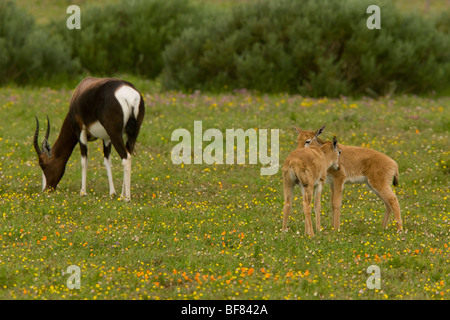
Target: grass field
<point>214,231</point>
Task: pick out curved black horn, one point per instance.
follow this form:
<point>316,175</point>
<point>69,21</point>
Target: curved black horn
<point>47,133</point>
<point>36,136</point>
<point>45,145</point>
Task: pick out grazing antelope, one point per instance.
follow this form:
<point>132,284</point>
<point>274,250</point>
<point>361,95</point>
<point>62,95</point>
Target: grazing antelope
<point>100,108</point>
<point>358,165</point>
<point>308,167</point>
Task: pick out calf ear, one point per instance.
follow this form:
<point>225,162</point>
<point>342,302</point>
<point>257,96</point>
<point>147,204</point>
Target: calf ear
<point>320,131</point>
<point>334,143</point>
<point>298,130</point>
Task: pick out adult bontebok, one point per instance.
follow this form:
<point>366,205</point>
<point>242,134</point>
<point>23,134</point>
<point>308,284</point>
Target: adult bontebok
<point>308,167</point>
<point>358,165</point>
<point>100,108</point>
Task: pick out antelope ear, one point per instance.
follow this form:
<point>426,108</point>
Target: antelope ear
<point>334,143</point>
<point>320,131</point>
<point>298,130</point>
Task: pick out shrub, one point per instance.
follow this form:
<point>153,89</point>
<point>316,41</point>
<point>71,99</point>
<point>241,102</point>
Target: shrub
<point>27,52</point>
<point>443,21</point>
<point>310,47</point>
<point>127,36</point>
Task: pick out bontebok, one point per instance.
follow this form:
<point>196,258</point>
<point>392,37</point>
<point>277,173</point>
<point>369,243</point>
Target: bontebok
<point>307,167</point>
<point>358,165</point>
<point>100,108</point>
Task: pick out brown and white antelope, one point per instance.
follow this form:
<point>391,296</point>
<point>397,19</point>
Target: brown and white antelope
<point>358,165</point>
<point>308,167</point>
<point>100,108</point>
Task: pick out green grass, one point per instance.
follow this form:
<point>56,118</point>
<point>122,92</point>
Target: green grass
<point>214,231</point>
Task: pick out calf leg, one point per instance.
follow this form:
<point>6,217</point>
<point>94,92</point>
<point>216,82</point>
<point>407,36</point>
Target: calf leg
<point>386,215</point>
<point>389,197</point>
<point>337,188</point>
<point>288,186</point>
<point>317,204</point>
<point>307,197</point>
<point>384,191</point>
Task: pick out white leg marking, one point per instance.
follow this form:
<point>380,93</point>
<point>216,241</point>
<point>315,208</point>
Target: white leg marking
<point>83,136</point>
<point>83,140</point>
<point>107,162</point>
<point>83,176</point>
<point>126,193</point>
<point>44,181</point>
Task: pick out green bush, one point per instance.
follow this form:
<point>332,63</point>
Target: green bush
<point>310,47</point>
<point>443,21</point>
<point>28,54</point>
<point>127,36</point>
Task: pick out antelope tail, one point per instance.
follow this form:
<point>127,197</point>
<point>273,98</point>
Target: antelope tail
<point>395,181</point>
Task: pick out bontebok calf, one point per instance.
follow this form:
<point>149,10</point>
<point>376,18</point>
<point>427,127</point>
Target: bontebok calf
<point>100,108</point>
<point>358,165</point>
<point>308,167</point>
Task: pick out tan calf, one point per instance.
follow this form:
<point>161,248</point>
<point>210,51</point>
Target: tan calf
<point>358,165</point>
<point>308,167</point>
